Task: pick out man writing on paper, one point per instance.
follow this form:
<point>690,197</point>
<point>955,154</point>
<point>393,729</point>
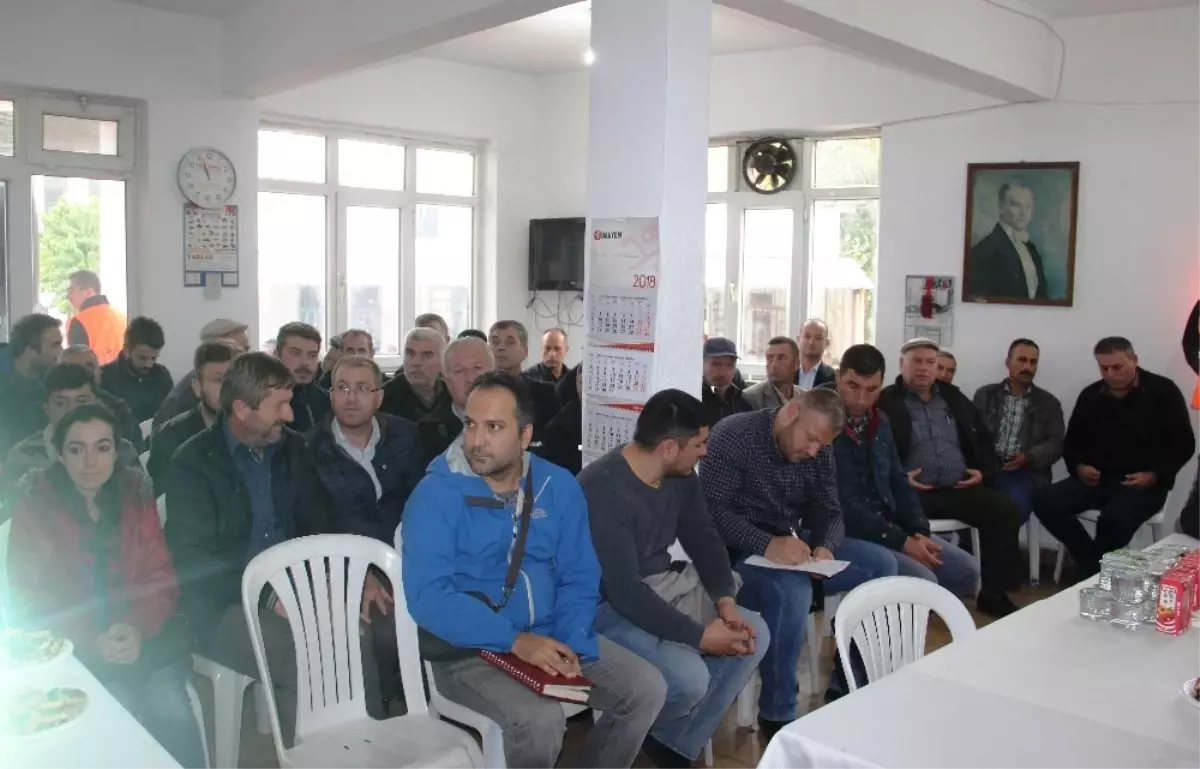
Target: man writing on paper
<point>681,618</point>
<point>769,476</point>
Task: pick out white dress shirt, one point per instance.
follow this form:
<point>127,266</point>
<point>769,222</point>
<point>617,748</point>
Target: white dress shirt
<point>364,457</point>
<point>1019,240</point>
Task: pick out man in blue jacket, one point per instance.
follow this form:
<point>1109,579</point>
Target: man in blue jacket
<point>878,504</point>
<point>459,529</point>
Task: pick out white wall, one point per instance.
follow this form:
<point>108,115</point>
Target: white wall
<point>170,62</point>
<point>1137,255</point>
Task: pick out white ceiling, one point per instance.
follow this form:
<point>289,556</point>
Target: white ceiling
<point>211,8</point>
<point>555,41</point>
<point>1062,9</point>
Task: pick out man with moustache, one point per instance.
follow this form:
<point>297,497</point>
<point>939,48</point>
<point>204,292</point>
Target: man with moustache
<point>235,489</point>
<point>783,364</point>
<point>182,398</point>
<point>418,390</point>
<point>298,345</point>
<point>510,346</point>
<point>465,360</point>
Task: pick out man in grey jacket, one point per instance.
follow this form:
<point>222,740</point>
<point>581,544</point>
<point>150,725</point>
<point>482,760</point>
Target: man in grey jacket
<point>1026,425</point>
<point>783,363</point>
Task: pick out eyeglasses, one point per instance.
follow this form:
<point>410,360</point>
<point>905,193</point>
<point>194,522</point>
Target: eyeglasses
<point>360,390</point>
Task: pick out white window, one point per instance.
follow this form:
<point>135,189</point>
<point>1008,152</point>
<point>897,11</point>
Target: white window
<point>66,192</point>
<point>808,251</point>
<point>364,231</point>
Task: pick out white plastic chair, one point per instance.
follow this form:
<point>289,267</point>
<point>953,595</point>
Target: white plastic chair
<point>888,617</point>
<point>319,581</point>
<point>198,712</point>
<point>147,427</point>
<point>5,530</point>
<point>1154,522</point>
<point>144,458</point>
<point>953,527</point>
<point>229,693</point>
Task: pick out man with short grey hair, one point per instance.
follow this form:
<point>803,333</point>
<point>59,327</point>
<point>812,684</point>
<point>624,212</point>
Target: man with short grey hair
<point>465,360</point>
<point>417,391</point>
<point>433,321</point>
<point>950,459</point>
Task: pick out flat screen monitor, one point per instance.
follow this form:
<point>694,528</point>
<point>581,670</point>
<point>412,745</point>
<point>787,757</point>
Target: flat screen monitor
<point>556,254</point>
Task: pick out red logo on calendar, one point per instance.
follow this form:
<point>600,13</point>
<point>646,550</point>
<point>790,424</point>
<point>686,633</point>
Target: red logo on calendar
<point>610,235</point>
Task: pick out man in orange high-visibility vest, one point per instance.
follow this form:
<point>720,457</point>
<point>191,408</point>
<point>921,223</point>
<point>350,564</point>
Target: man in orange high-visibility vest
<point>95,323</point>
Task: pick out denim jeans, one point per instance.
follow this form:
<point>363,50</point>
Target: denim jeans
<point>784,599</point>
<point>958,572</point>
<point>1020,487</point>
<point>160,703</point>
<point>700,687</point>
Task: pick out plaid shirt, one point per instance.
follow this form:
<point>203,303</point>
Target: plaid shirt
<point>754,493</point>
<point>1012,414</point>
<point>935,447</point>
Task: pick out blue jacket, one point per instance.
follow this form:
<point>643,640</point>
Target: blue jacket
<point>901,514</point>
<point>455,540</point>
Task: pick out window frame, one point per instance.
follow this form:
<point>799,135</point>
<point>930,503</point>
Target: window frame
<point>38,107</point>
<point>801,196</point>
<point>339,197</point>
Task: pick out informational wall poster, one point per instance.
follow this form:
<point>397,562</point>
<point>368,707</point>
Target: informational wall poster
<point>929,308</point>
<point>619,371</point>
<point>607,424</point>
<point>210,239</point>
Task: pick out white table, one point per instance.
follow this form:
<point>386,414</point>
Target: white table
<point>1042,687</point>
<point>104,736</point>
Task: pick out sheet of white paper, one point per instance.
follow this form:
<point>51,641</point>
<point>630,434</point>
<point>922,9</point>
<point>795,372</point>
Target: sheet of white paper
<point>824,568</point>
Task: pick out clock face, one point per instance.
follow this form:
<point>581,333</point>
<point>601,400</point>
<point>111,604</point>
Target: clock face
<point>206,177</point>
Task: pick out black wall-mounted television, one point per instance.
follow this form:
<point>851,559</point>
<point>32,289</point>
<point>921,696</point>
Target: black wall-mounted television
<point>556,254</point>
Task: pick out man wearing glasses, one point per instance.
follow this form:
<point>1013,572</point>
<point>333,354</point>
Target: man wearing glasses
<point>369,462</point>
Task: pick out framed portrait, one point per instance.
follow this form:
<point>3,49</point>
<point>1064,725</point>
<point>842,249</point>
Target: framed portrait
<point>1020,234</point>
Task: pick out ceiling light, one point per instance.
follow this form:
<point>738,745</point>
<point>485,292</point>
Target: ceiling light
<point>589,57</point>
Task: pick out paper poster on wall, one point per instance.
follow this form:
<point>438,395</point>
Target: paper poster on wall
<point>619,371</point>
<point>625,253</point>
<point>607,424</point>
<point>210,239</point>
<point>929,307</point>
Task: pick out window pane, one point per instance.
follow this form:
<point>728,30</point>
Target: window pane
<point>716,279</point>
<point>844,249</point>
<point>6,128</point>
<point>718,169</point>
<point>81,226</point>
<point>370,165</point>
<point>373,274</point>
<point>77,134</point>
<point>291,261</point>
<point>444,172</point>
<point>846,163</point>
<point>4,328</point>
<point>444,262</point>
<point>766,276</point>
<point>291,156</point>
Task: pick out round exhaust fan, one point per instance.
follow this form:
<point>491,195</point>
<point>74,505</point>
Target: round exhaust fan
<point>769,165</point>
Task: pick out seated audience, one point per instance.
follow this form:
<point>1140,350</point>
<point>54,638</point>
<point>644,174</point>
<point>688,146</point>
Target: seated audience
<point>210,363</point>
<point>332,354</point>
<point>183,398</point>
<point>877,501</point>
<point>369,463</point>
<point>95,324</point>
<point>457,534</point>
<point>136,376</point>
<point>433,321</point>
<point>814,342</point>
<point>770,485</point>
<point>67,386</point>
<point>127,427</point>
<point>720,395</point>
<point>87,560</point>
<point>1026,425</point>
<point>948,456</point>
<point>36,341</point>
<point>1129,435</point>
<point>947,366</point>
<point>684,620</point>
<point>552,366</point>
<point>418,390</point>
<point>783,365</point>
<point>465,360</point>
<point>298,345</point>
<point>510,346</point>
<point>564,435</point>
<point>235,489</point>
<point>473,332</point>
<point>568,389</point>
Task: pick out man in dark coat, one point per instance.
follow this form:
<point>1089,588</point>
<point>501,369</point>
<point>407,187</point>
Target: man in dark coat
<point>1006,264</point>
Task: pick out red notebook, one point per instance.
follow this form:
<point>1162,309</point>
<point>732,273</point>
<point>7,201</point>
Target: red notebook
<point>576,689</point>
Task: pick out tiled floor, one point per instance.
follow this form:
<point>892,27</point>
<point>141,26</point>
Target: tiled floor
<point>732,747</point>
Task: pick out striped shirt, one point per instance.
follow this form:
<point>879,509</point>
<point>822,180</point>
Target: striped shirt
<point>754,493</point>
<point>1012,414</point>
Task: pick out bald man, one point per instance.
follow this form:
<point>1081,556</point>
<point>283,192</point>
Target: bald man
<point>813,341</point>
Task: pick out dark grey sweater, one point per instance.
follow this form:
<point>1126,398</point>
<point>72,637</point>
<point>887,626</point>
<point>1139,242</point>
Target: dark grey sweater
<point>633,525</point>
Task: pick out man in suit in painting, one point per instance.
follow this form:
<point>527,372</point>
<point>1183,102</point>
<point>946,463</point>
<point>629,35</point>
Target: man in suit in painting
<point>1006,264</point>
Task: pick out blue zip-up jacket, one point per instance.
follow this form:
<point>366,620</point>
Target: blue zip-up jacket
<point>456,537</point>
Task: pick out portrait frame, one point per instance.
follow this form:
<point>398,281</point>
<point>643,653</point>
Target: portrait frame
<point>993,272</point>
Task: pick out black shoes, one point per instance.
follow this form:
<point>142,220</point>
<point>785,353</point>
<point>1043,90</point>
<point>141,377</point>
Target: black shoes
<point>769,728</point>
<point>998,606</point>
<point>662,756</point>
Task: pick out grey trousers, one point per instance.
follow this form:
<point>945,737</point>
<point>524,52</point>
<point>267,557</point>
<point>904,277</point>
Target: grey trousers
<point>628,691</point>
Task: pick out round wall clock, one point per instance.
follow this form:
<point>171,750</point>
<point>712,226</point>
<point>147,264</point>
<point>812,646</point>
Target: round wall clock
<point>206,177</point>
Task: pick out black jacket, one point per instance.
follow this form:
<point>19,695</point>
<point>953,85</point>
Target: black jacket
<point>973,437</point>
<point>310,405</point>
<point>165,440</point>
<point>564,435</point>
<point>401,400</point>
<point>996,271</point>
<point>209,519</point>
<point>21,409</point>
<point>717,408</point>
<point>354,508</point>
<point>180,400</point>
<point>1166,441</point>
<point>1042,427</point>
<point>825,375</point>
<point>545,408</point>
<point>437,432</point>
<point>543,373</point>
<point>143,393</point>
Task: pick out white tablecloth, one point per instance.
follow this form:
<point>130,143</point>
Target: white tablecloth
<point>1043,687</point>
<point>104,736</point>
